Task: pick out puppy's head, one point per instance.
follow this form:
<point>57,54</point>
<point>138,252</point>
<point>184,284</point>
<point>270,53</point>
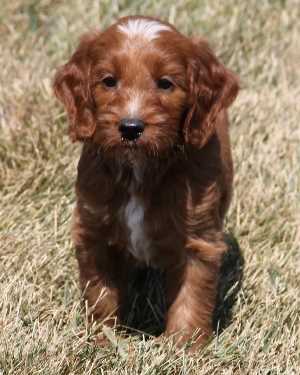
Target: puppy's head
<point>142,87</point>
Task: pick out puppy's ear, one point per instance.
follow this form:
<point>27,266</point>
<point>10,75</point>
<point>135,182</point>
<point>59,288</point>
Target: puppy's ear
<point>212,88</point>
<point>72,87</point>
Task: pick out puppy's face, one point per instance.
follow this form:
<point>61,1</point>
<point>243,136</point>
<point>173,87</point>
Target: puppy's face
<point>139,87</point>
<point>142,87</point>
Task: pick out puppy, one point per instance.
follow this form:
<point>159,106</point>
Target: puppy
<point>155,173</point>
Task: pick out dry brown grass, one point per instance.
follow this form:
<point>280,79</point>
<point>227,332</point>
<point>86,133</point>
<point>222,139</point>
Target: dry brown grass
<point>43,328</point>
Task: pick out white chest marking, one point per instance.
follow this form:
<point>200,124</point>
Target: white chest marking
<point>134,218</point>
<point>142,27</point>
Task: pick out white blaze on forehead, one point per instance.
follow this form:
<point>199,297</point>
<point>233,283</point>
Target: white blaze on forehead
<point>142,27</point>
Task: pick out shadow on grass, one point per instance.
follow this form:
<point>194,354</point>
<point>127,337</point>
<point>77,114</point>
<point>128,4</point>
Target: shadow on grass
<point>146,305</point>
<point>230,282</point>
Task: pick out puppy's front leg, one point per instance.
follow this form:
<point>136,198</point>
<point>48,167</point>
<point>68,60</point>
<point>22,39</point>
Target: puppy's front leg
<point>102,267</point>
<point>191,292</point>
<point>102,292</point>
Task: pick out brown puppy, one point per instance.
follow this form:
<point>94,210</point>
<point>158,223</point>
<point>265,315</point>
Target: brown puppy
<point>155,174</point>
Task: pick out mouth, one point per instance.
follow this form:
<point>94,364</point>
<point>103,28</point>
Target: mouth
<point>130,143</point>
<point>131,137</point>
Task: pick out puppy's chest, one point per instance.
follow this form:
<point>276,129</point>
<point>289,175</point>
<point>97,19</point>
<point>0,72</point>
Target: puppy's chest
<point>133,218</point>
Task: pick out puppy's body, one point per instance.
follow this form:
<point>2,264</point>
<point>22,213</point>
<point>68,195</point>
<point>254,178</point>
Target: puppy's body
<point>160,199</point>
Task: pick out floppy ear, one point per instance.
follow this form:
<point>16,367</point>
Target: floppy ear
<point>213,88</point>
<point>71,87</point>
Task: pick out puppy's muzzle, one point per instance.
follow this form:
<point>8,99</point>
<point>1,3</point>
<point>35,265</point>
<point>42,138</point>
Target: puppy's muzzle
<point>131,128</point>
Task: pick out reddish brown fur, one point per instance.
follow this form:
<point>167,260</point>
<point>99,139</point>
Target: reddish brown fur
<point>180,169</point>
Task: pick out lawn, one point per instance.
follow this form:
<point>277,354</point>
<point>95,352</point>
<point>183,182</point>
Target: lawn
<point>43,326</point>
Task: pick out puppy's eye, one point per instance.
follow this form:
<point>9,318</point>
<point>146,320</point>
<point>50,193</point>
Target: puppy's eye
<point>164,84</point>
<point>110,81</point>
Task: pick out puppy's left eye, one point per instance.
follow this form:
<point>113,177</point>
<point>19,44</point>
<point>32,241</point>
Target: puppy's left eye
<point>165,84</point>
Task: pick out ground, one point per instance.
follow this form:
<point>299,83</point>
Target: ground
<point>43,326</point>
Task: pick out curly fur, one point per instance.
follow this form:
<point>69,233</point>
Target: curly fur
<point>159,201</point>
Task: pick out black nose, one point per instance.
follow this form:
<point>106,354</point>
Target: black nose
<point>131,128</point>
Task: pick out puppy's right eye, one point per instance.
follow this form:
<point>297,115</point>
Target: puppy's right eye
<point>110,81</point>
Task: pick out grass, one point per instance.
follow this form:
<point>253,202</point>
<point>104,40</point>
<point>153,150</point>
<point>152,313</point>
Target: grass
<point>43,326</point>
